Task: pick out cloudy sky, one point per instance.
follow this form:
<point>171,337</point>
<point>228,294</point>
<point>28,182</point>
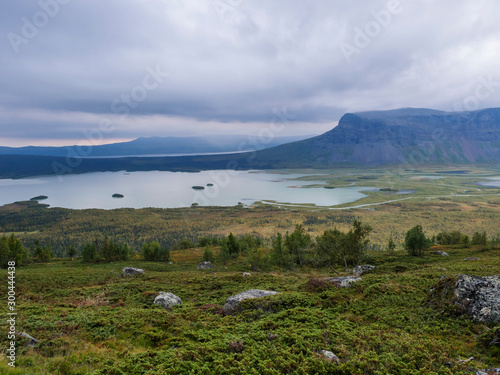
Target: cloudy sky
<point>80,71</point>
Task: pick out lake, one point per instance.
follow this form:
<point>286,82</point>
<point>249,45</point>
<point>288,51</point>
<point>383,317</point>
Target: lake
<point>174,189</point>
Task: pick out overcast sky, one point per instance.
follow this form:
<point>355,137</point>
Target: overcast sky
<point>76,71</point>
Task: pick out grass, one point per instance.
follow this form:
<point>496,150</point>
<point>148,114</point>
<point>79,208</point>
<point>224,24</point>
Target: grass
<point>89,320</point>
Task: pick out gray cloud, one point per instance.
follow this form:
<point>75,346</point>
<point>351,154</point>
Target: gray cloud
<point>232,62</point>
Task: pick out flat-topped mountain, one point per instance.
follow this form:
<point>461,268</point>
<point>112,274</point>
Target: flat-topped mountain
<point>398,137</point>
<point>417,136</point>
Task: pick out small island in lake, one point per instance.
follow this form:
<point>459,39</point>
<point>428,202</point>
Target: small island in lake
<point>39,198</point>
<point>389,189</point>
<point>198,187</point>
<point>210,184</point>
<point>116,195</point>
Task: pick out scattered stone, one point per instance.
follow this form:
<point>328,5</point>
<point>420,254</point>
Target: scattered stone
<point>233,301</point>
<point>472,258</point>
<point>132,271</point>
<point>205,265</point>
<point>364,268</point>
<point>464,361</point>
<point>490,371</point>
<point>442,253</point>
<point>329,356</point>
<point>476,296</point>
<point>247,274</point>
<point>343,281</point>
<point>31,340</point>
<point>167,300</point>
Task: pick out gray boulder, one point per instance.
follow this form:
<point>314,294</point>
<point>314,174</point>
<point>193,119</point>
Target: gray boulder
<point>488,372</point>
<point>343,281</point>
<point>205,265</point>
<point>476,296</point>
<point>232,302</point>
<point>472,258</point>
<point>364,268</point>
<point>329,356</point>
<point>132,271</point>
<point>167,300</point>
<point>442,253</point>
<point>479,297</point>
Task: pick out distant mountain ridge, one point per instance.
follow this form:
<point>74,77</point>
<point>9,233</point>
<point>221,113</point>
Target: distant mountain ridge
<point>163,145</point>
<point>405,136</point>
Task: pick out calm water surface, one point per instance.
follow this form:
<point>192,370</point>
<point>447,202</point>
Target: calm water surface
<point>173,189</point>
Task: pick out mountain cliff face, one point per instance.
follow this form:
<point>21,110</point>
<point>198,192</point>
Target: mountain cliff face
<point>416,136</point>
<point>400,137</point>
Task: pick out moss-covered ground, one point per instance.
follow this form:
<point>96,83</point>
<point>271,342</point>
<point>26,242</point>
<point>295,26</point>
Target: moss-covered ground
<point>90,320</point>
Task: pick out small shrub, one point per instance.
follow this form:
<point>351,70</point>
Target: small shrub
<point>154,252</point>
<point>212,309</point>
<point>186,244</point>
<point>479,238</point>
<point>416,242</point>
<point>208,255</point>
<point>315,284</point>
<point>235,346</point>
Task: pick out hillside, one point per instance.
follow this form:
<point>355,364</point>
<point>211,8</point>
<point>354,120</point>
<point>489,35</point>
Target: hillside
<point>88,319</point>
<point>405,137</point>
<point>162,145</point>
<point>412,136</point>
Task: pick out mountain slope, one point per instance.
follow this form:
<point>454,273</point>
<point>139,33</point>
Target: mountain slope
<point>399,137</point>
<point>162,145</point>
<point>416,136</point>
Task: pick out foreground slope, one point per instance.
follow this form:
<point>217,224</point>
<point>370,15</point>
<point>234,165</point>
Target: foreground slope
<point>89,320</point>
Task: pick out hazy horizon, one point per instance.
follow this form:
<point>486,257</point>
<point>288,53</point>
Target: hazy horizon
<point>96,73</point>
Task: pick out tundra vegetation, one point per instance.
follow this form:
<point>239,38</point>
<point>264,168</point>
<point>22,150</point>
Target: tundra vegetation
<point>89,319</point>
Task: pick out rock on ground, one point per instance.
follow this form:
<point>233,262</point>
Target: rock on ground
<point>247,274</point>
<point>132,271</point>
<point>479,297</point>
<point>233,301</point>
<point>442,253</point>
<point>476,296</point>
<point>488,372</point>
<point>343,281</point>
<point>167,300</point>
<point>472,258</point>
<point>329,356</point>
<point>364,268</point>
<point>205,265</point>
<point>31,340</point>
